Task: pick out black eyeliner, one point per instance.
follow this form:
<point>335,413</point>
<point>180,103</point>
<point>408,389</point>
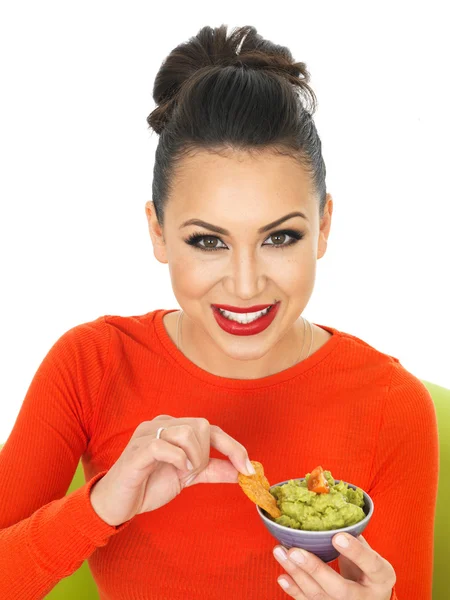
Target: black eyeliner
<point>194,238</point>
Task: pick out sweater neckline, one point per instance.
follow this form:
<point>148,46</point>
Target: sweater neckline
<point>225,382</point>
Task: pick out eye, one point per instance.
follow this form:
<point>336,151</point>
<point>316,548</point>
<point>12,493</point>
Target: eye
<point>196,238</point>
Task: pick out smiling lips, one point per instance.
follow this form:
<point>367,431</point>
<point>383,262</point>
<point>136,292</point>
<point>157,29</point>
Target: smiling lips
<point>254,327</point>
<point>236,309</point>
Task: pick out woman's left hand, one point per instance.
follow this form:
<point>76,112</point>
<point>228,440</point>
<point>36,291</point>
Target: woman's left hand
<point>364,574</point>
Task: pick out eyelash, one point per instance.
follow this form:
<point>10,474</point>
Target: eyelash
<point>193,239</point>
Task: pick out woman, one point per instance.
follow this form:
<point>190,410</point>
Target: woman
<point>157,403</point>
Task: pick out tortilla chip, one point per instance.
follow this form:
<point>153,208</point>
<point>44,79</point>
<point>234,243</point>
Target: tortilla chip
<point>256,487</point>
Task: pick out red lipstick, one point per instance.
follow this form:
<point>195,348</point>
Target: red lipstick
<point>252,328</point>
<point>247,309</point>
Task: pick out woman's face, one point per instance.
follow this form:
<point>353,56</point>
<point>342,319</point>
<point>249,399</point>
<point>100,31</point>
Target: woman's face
<point>241,194</point>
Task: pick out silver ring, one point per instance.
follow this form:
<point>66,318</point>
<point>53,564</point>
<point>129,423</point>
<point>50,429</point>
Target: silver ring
<point>158,433</point>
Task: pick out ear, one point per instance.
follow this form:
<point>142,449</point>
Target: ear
<point>325,225</point>
<point>156,233</point>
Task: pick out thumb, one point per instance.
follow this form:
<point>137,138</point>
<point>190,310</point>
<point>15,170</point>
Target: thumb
<point>363,541</point>
<point>217,471</point>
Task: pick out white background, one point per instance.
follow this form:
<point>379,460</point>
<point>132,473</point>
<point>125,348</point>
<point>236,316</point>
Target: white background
<point>77,159</point>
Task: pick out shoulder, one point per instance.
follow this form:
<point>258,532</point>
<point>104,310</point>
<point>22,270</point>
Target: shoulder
<point>408,396</point>
<point>89,331</point>
<point>403,389</point>
<point>107,335</point>
<point>359,346</point>
<point>352,354</point>
<point>82,338</point>
<point>81,350</point>
<point>130,324</point>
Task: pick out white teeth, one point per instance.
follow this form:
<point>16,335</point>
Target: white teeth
<point>244,318</point>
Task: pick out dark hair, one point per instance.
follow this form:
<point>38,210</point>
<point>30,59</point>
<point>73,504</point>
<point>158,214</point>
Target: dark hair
<point>220,93</point>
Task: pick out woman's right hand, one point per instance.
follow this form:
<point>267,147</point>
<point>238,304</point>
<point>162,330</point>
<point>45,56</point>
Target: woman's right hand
<point>151,472</point>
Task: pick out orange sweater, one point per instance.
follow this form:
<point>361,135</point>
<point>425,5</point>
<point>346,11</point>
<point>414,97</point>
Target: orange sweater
<point>348,407</point>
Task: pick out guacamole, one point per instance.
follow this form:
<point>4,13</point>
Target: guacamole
<point>311,511</point>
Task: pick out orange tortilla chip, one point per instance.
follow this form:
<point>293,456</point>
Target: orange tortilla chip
<point>256,487</point>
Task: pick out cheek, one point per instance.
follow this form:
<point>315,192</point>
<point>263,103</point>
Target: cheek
<point>192,278</point>
<point>296,274</point>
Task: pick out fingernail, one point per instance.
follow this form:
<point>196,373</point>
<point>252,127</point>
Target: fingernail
<point>189,465</point>
<point>191,478</point>
<point>284,584</point>
<point>250,467</point>
<point>280,553</point>
<point>342,541</point>
<point>298,556</point>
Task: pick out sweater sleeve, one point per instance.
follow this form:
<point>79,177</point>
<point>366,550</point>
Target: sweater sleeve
<point>46,535</point>
<point>404,487</point>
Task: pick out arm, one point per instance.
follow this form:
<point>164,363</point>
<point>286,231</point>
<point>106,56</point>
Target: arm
<point>45,535</point>
<point>30,567</point>
<point>404,482</point>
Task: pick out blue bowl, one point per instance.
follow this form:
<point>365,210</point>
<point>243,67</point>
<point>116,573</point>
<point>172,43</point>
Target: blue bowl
<point>317,542</point>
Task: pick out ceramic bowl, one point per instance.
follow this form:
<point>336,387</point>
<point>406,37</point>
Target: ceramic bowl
<point>317,542</point>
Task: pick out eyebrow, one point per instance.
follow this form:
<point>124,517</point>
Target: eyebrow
<point>223,231</point>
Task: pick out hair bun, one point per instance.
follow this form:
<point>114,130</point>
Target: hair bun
<point>211,48</point>
<point>276,63</point>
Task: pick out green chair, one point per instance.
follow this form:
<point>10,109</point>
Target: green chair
<point>441,399</point>
<point>81,584</point>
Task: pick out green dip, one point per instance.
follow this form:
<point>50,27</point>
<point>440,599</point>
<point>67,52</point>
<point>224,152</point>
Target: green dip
<point>303,509</point>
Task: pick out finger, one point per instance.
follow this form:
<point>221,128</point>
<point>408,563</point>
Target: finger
<point>363,541</point>
<point>230,447</point>
<point>314,578</point>
<point>214,436</point>
<point>377,569</point>
<point>202,428</point>
<point>148,427</point>
<point>164,417</point>
<point>290,587</point>
<point>146,451</point>
<point>186,438</point>
<point>218,471</point>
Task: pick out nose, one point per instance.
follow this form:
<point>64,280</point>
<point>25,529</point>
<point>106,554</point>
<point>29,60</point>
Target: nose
<point>247,278</point>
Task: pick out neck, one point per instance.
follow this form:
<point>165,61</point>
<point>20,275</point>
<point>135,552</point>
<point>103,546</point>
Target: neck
<point>217,364</point>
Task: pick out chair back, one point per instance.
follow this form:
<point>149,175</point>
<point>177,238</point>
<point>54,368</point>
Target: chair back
<point>441,399</point>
